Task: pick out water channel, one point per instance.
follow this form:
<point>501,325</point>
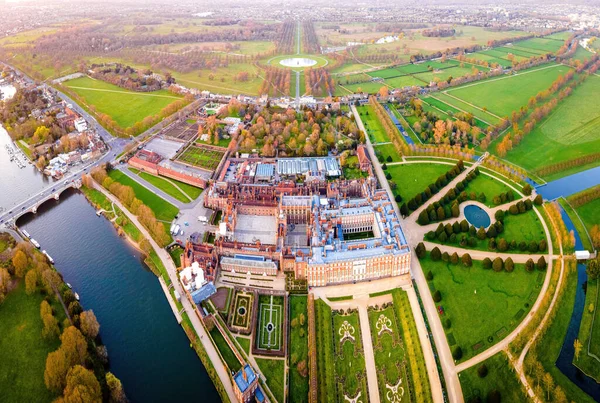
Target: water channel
<point>571,184</point>
<point>564,361</point>
<point>148,350</point>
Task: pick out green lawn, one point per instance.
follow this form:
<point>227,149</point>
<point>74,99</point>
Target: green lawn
<point>414,178</point>
<point>523,227</point>
<point>502,95</point>
<point>325,353</point>
<point>298,350</point>
<point>589,333</point>
<point>500,377</point>
<point>389,350</point>
<point>374,128</point>
<point>489,186</point>
<point>483,306</point>
<point>590,213</point>
<point>176,255</point>
<point>387,150</point>
<point>571,131</point>
<point>172,187</point>
<point>124,106</point>
<point>22,348</point>
<point>245,343</point>
<point>273,370</point>
<point>162,209</point>
<point>349,356</point>
<point>228,355</point>
<point>351,171</point>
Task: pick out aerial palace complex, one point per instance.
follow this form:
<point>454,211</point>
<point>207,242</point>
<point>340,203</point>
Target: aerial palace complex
<point>296,216</point>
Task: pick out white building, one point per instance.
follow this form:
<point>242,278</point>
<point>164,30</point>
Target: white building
<point>80,125</point>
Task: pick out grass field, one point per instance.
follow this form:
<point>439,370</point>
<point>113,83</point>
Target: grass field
<point>124,106</point>
<point>523,227</point>
<point>274,371</point>
<point>482,305</point>
<point>269,332</point>
<point>22,348</point>
<point>298,350</point>
<point>500,377</point>
<point>589,333</point>
<point>245,343</point>
<point>201,157</point>
<point>390,356</point>
<point>242,309</point>
<point>223,79</point>
<point>161,208</point>
<point>170,186</point>
<point>571,131</point>
<point>414,178</point>
<point>374,128</point>
<point>590,213</point>
<point>325,353</point>
<point>489,186</point>
<point>387,150</point>
<point>228,355</point>
<point>502,95</point>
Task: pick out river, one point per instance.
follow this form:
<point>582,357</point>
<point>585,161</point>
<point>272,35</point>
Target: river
<point>148,350</point>
<point>570,184</point>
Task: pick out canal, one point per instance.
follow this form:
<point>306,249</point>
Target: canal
<point>148,350</point>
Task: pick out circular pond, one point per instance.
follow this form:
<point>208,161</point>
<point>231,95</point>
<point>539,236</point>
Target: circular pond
<point>477,217</point>
<point>298,62</point>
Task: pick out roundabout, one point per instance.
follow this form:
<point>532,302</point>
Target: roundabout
<point>297,62</point>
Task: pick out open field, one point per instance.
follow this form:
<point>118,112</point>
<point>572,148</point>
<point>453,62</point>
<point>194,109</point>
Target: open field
<point>124,106</point>
<point>375,129</point>
<point>387,150</point>
<point>161,208</point>
<point>269,331</point>
<point>504,94</point>
<point>589,333</point>
<point>414,178</point>
<point>523,227</point>
<point>228,355</point>
<point>500,376</point>
<point>590,214</point>
<point>274,371</point>
<point>233,47</point>
<point>201,157</point>
<point>489,186</point>
<point>22,348</point>
<point>482,305</point>
<point>298,350</point>
<point>571,131</point>
<point>223,79</point>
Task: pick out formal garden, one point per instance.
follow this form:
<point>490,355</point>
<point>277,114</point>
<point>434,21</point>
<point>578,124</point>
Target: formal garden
<point>240,316</point>
<point>269,332</point>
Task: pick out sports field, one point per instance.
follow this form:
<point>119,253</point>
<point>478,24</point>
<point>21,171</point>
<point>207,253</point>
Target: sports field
<point>123,106</point>
<point>242,310</point>
<point>571,131</point>
<point>269,331</point>
<point>201,157</point>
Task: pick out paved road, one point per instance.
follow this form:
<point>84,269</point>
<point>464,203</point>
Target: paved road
<point>452,382</point>
<point>367,341</point>
<point>211,351</point>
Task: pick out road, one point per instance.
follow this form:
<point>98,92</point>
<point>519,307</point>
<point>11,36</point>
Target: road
<point>452,382</point>
<point>210,349</point>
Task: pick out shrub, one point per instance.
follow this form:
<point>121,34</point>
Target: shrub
<point>430,235</point>
<point>436,255</point>
<point>542,245</point>
<point>445,257</point>
<point>502,245</point>
<point>527,190</point>
<point>481,233</point>
<point>466,260</point>
<point>437,296</point>
<point>398,198</point>
<point>498,264</point>
<point>494,396</point>
<point>420,250</point>
<point>533,246</point>
<point>443,237</point>
<point>487,263</point>
<point>429,276</point>
<point>423,218</point>
<point>389,158</point>
<point>538,200</point>
<point>447,324</point>
<point>454,258</point>
<point>384,166</point>
<point>482,371</point>
<point>529,265</point>
<point>541,263</point>
<point>457,353</point>
<point>491,232</point>
<point>513,209</point>
<point>509,265</point>
<point>388,176</point>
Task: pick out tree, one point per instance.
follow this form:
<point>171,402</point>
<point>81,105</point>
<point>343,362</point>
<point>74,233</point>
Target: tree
<point>423,218</point>
<point>89,324</point>
<point>502,245</point>
<point>454,258</point>
<point>436,255</point>
<point>457,353</point>
<point>482,371</point>
<point>82,386</point>
<point>541,263</point>
<point>497,264</point>
<point>74,346</point>
<point>20,263</point>
<point>509,265</point>
<point>31,279</point>
<point>437,296</point>
<point>494,396</point>
<point>55,373</point>
<point>499,215</point>
<point>429,276</point>
<point>448,323</point>
<point>527,189</point>
<point>487,263</point>
<point>529,265</point>
<point>538,200</point>
<point>466,260</point>
<point>578,347</point>
<point>420,250</point>
<point>481,233</point>
<point>549,382</point>
<point>117,394</point>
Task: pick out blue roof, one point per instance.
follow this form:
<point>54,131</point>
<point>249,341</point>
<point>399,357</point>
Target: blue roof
<point>259,395</point>
<point>265,170</point>
<point>242,383</point>
<point>203,293</point>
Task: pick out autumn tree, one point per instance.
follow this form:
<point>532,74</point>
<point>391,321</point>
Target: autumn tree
<point>20,263</point>
<point>31,279</point>
<point>89,324</point>
<point>74,345</point>
<point>82,386</point>
<point>117,394</point>
<point>56,370</point>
